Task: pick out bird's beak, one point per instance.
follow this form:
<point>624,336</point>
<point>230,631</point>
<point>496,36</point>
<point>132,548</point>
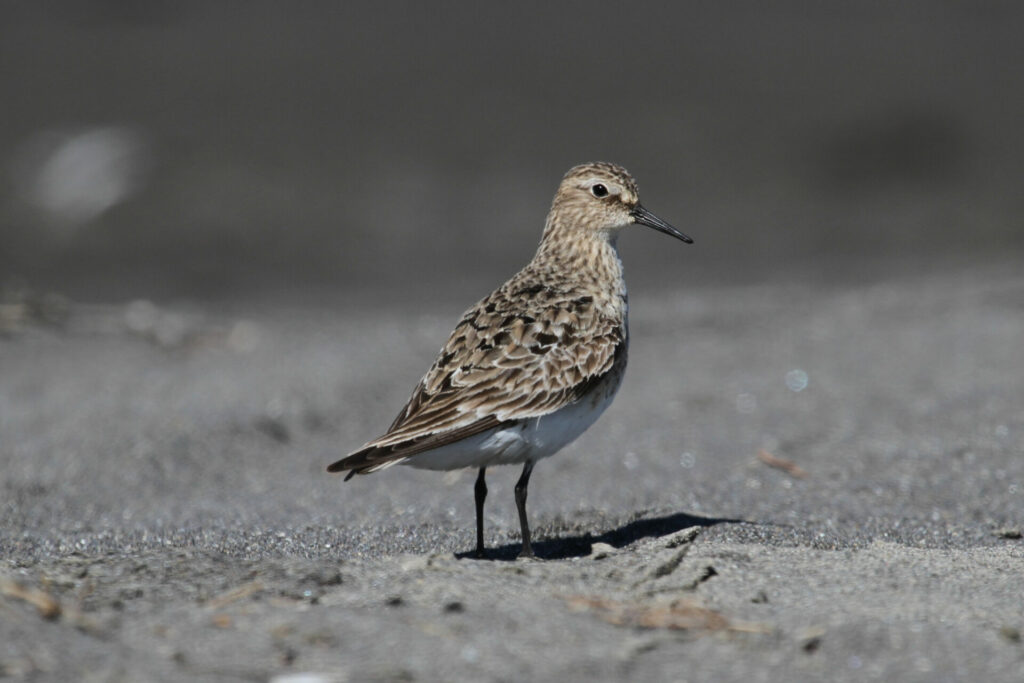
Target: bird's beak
<point>644,217</point>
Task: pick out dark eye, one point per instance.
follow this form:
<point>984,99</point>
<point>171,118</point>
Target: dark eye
<point>599,190</point>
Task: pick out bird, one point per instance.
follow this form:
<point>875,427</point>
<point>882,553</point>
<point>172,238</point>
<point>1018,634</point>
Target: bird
<point>532,365</point>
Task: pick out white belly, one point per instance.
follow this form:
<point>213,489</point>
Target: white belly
<point>529,439</point>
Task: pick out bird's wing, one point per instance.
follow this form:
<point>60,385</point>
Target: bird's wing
<point>524,351</point>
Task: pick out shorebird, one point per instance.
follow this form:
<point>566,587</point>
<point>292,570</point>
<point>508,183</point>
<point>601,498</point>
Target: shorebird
<point>532,365</point>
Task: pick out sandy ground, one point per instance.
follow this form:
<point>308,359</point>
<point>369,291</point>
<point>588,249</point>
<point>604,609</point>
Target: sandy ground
<point>165,514</point>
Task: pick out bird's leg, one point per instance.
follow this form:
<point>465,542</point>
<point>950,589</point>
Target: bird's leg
<point>524,481</point>
<point>481,493</point>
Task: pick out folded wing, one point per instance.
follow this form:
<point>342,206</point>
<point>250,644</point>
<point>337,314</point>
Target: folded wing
<point>500,366</point>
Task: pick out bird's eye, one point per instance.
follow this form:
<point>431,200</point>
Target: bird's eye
<point>599,190</point>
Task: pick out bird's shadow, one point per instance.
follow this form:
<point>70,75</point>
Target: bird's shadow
<point>566,547</point>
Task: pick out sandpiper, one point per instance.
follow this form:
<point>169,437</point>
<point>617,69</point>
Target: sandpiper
<point>531,366</point>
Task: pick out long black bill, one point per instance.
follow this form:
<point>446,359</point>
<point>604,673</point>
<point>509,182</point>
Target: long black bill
<point>644,217</point>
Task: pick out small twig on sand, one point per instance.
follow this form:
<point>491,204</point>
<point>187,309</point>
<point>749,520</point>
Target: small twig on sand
<point>787,466</point>
<point>48,606</point>
<point>677,615</point>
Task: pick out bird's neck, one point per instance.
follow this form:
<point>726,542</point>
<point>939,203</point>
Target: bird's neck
<point>588,258</point>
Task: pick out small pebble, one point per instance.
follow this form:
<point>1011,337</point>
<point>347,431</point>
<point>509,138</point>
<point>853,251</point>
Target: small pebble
<point>810,638</point>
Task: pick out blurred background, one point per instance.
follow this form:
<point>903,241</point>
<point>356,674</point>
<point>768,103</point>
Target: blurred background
<point>204,150</point>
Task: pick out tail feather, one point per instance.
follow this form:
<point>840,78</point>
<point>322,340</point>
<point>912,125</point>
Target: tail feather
<point>371,458</point>
<point>364,461</point>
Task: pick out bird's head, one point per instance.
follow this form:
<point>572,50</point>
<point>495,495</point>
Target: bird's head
<point>602,198</point>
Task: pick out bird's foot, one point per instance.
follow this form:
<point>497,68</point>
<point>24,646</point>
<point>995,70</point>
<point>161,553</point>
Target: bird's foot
<point>526,554</point>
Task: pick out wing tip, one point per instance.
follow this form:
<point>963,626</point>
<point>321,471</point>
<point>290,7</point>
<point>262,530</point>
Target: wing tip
<point>340,466</point>
<point>350,462</point>
<point>360,462</point>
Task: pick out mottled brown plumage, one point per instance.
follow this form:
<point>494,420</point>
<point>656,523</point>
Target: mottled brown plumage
<point>552,338</point>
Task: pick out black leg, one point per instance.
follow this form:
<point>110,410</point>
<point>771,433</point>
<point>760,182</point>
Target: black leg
<point>481,493</point>
<point>524,481</point>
